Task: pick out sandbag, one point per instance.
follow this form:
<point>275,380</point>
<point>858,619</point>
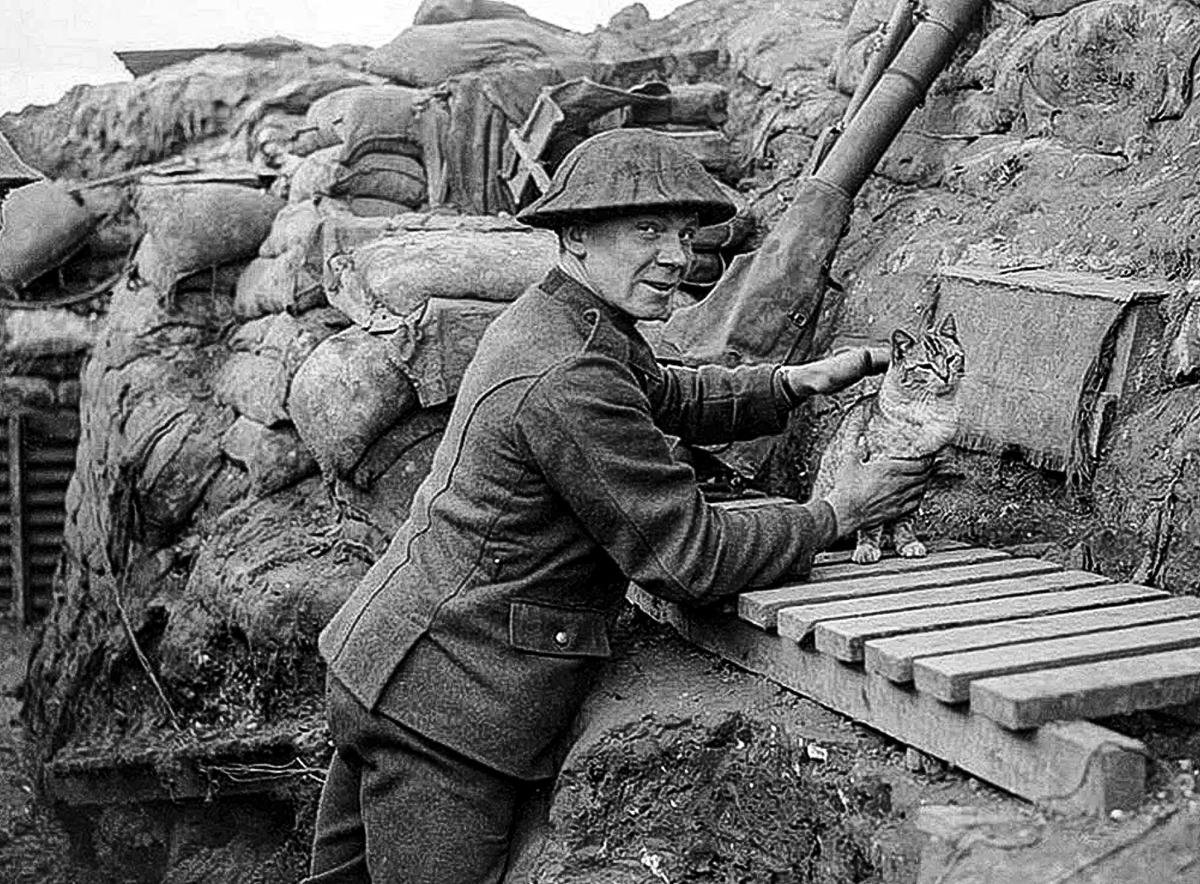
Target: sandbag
<point>427,55</point>
<point>348,392</point>
<point>200,226</point>
<point>373,207</point>
<point>392,177</point>
<point>255,382</point>
<point>439,12</point>
<point>380,282</point>
<point>314,175</point>
<point>277,285</point>
<point>43,226</point>
<point>274,457</point>
<point>379,119</point>
<point>155,267</point>
<point>296,228</point>
<point>437,348</point>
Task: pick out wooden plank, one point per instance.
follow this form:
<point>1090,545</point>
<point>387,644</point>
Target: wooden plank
<point>844,639</point>
<point>1090,690</point>
<point>842,556</point>
<point>1069,766</point>
<point>48,498</point>
<point>762,607</point>
<point>50,475</point>
<point>895,565</point>
<point>797,623</point>
<point>893,657</point>
<point>21,601</point>
<point>948,677</point>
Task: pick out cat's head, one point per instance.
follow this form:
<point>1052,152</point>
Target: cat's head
<point>932,365</point>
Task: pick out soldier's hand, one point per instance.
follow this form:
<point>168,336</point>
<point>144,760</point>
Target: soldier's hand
<point>881,489</point>
<point>835,373</point>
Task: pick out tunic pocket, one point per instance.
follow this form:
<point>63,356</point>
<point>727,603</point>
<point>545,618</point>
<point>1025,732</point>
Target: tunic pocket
<point>558,632</point>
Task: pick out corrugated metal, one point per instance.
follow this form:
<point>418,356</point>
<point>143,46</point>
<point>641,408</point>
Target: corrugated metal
<point>37,458</point>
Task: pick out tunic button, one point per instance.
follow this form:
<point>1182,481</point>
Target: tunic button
<point>562,639</point>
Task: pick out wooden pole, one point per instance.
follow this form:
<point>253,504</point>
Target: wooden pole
<point>22,600</point>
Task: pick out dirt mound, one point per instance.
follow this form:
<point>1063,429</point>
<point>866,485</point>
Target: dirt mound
<point>739,801</point>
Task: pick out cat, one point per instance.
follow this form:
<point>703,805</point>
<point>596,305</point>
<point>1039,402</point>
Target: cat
<point>914,413</point>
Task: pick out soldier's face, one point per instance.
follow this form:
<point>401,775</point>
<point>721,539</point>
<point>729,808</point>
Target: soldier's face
<point>635,262</point>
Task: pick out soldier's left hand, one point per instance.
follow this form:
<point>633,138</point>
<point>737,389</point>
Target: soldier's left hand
<point>836,372</point>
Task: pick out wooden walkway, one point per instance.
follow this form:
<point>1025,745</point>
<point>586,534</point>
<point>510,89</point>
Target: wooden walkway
<point>993,663</point>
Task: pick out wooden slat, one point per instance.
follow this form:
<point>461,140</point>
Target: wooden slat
<point>893,657</point>
<point>47,498</point>
<point>842,556</point>
<point>949,677</point>
<point>48,455</point>
<point>1066,765</point>
<point>49,475</point>
<point>38,518</point>
<point>762,607</point>
<point>895,565</point>
<point>797,623</point>
<point>844,639</point>
<point>1090,690</point>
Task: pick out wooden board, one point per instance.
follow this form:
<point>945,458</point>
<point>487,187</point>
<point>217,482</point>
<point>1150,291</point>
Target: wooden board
<point>1090,690</point>
<point>850,570</point>
<point>894,657</point>
<point>1067,765</point>
<point>844,639</point>
<point>949,677</point>
<point>761,608</point>
<point>797,623</point>
<point>842,556</point>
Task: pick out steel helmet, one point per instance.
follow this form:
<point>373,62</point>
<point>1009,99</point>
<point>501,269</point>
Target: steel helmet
<point>624,170</point>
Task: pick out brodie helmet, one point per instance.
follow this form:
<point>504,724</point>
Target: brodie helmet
<point>624,170</point>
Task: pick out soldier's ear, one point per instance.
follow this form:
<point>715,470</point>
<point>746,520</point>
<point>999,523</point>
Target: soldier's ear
<point>573,239</point>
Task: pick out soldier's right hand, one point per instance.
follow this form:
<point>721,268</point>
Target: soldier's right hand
<point>880,489</point>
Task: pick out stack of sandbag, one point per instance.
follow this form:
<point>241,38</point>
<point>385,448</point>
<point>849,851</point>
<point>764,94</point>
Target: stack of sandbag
<point>384,281</point>
<point>271,125</point>
<point>255,381</point>
<point>440,12</point>
<point>429,54</point>
<point>200,233</point>
<point>44,225</point>
<point>431,284</point>
<point>363,146</point>
<point>286,275</point>
<point>693,115</point>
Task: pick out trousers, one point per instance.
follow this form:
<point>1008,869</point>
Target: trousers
<point>399,809</point>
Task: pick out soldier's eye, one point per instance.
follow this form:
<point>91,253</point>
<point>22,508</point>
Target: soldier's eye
<point>687,235</point>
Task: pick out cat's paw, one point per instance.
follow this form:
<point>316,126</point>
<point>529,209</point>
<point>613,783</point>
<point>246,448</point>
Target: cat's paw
<point>866,555</point>
<point>914,549</point>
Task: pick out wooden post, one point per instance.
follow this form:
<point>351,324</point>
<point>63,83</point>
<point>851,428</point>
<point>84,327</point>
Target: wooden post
<point>22,600</point>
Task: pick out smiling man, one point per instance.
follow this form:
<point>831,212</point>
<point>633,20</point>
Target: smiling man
<point>458,663</point>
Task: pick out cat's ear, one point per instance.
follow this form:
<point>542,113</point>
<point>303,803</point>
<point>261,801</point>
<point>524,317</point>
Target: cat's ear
<point>902,342</point>
<point>949,328</point>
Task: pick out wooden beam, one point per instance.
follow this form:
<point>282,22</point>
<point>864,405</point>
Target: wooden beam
<point>894,657</point>
<point>949,677</point>
<point>1090,690</point>
<point>21,603</point>
<point>761,608</point>
<point>797,623</point>
<point>844,639</point>
<point>1069,766</point>
<point>849,570</point>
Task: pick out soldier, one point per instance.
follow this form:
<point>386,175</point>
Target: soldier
<point>461,658</point>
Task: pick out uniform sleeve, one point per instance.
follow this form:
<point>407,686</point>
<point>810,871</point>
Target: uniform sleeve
<point>589,428</point>
<point>712,404</point>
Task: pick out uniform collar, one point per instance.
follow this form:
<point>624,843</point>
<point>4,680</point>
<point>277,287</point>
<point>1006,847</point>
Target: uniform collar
<point>613,328</point>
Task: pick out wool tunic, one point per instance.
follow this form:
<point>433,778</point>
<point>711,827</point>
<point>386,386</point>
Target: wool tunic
<point>554,485</point>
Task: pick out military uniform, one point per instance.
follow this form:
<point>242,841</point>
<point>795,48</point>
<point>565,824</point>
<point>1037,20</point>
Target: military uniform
<point>461,658</point>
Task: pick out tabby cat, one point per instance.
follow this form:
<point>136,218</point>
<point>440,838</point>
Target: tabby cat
<point>913,414</point>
